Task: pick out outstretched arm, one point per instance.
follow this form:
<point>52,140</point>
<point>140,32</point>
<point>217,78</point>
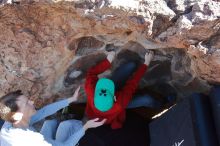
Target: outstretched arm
<point>74,138</point>
<point>48,110</point>
<point>53,107</point>
<point>92,74</point>
<point>102,66</point>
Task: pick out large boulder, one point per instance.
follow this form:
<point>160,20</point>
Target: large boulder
<point>46,47</point>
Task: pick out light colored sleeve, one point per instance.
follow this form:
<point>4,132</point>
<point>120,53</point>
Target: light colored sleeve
<point>48,110</point>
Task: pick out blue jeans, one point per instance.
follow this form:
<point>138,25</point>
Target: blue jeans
<point>121,75</point>
<point>58,133</point>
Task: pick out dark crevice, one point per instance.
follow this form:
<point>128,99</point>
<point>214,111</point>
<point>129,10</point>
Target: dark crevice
<point>158,28</point>
<point>87,45</point>
<point>211,41</point>
<point>82,65</point>
<point>161,24</point>
<point>178,14</point>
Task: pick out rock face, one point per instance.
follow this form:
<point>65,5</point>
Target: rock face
<point>47,47</point>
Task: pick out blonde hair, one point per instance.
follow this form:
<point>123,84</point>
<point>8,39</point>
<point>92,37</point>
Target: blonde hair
<point>4,112</point>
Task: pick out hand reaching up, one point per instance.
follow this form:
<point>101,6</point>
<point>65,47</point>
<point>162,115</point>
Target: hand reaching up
<point>93,123</point>
<point>148,57</point>
<point>75,96</point>
<point>111,56</point>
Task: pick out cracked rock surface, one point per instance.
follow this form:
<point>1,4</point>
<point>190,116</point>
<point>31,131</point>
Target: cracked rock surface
<point>46,47</point>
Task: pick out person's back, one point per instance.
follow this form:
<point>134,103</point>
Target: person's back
<point>108,98</point>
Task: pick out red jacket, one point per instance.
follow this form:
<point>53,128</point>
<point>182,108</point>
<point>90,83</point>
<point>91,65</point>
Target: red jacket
<point>116,115</point>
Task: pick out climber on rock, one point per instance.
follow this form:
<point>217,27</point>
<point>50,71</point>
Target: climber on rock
<point>20,115</point>
<point>107,98</point>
